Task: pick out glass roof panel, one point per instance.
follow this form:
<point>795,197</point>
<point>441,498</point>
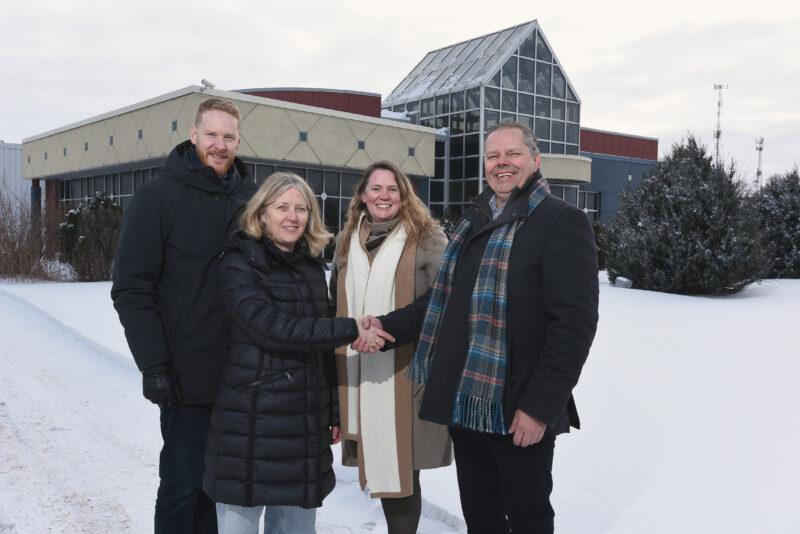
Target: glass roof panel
<point>471,45</point>
<point>484,43</point>
<point>499,42</point>
<point>462,65</point>
<point>423,64</point>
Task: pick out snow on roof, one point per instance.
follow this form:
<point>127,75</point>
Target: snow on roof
<point>467,64</point>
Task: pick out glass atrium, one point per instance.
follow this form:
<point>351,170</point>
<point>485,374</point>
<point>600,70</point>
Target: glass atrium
<point>465,88</point>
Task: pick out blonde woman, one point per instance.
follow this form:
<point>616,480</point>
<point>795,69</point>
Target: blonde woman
<point>387,254</point>
<point>276,413</point>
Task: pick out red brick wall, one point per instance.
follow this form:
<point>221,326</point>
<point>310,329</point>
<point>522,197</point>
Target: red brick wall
<point>349,102</point>
<point>618,145</point>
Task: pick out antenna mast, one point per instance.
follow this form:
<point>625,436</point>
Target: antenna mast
<point>759,149</point>
<point>718,132</point>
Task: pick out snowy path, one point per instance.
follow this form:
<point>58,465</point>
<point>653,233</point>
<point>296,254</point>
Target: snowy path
<point>69,430</point>
<point>79,446</point>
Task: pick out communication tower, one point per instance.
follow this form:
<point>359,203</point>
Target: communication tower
<point>718,131</point>
<point>759,149</point>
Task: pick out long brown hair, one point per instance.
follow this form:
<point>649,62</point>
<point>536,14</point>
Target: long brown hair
<point>414,215</point>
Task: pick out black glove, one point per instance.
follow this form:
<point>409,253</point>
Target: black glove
<point>159,387</point>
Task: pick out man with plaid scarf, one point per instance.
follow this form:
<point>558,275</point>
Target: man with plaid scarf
<point>505,331</point>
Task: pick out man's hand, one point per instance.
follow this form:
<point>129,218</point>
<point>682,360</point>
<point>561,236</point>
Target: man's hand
<point>371,336</point>
<point>158,386</point>
<point>527,430</point>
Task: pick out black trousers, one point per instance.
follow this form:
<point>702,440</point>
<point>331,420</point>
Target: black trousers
<point>181,505</point>
<point>504,488</point>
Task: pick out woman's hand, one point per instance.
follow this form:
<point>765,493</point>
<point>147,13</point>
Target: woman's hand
<point>336,435</point>
<point>371,337</point>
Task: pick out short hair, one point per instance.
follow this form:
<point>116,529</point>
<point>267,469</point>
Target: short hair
<point>221,104</point>
<point>414,214</point>
<point>315,235</point>
<point>527,134</point>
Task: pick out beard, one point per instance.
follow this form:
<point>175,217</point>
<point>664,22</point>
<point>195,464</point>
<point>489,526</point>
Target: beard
<point>203,156</point>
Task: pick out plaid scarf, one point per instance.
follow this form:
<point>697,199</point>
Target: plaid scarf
<point>479,399</point>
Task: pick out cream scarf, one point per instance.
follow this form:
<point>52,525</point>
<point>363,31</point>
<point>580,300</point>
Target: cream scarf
<point>370,289</point>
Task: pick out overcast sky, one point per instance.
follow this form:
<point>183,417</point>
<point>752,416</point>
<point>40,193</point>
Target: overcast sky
<point>638,67</point>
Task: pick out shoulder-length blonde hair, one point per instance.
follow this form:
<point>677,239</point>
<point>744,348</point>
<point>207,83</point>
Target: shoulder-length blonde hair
<point>316,236</point>
<point>414,215</point>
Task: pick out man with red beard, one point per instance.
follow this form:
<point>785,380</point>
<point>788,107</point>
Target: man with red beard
<point>166,292</point>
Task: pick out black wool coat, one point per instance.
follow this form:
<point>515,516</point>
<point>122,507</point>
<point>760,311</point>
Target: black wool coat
<point>552,311</point>
<point>165,276</point>
<point>269,440</point>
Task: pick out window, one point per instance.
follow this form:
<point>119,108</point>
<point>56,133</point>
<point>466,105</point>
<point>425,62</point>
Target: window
<point>542,52</point>
<point>589,202</point>
<point>527,75</point>
<point>509,101</point>
<point>491,97</point>
<point>559,83</point>
<point>509,79</point>
<point>442,104</point>
<point>457,101</point>
<point>473,98</point>
<point>543,72</point>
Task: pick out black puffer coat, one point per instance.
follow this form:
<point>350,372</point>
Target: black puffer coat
<point>269,441</point>
<point>165,272</point>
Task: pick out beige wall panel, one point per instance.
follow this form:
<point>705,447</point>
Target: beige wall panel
<point>29,150</point>
<point>270,133</point>
<point>362,130</point>
<point>157,134</point>
<point>111,154</point>
<point>574,168</point>
<point>245,109</point>
<point>424,153</point>
<point>303,153</point>
<point>386,143</point>
<point>140,151</point>
<point>76,153</point>
<point>181,109</point>
<point>412,166</point>
<point>87,161</point>
<point>359,160</point>
<point>126,136</point>
<point>333,140</point>
<point>304,120</point>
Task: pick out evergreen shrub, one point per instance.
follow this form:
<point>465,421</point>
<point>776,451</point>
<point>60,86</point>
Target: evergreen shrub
<point>88,237</point>
<point>778,206</point>
<point>685,229</point>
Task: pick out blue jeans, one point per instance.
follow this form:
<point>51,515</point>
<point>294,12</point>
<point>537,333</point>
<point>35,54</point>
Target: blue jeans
<point>232,519</point>
<point>181,505</point>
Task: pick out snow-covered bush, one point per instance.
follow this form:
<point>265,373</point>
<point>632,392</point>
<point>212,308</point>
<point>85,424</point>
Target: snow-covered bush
<point>685,229</point>
<point>778,205</point>
<point>87,238</point>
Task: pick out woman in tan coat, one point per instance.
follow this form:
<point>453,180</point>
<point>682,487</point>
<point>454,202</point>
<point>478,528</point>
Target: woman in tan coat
<point>387,254</point>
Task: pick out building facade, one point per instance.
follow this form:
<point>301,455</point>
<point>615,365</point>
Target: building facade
<point>432,125</point>
<point>118,151</point>
<point>11,172</point>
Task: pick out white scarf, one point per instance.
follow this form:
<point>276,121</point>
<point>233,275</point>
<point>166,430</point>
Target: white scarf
<point>370,377</point>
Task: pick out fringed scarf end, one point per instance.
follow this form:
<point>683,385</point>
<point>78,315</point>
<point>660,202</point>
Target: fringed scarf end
<point>479,414</point>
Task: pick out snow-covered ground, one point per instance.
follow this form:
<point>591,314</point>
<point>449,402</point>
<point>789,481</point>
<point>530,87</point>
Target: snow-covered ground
<point>687,403</point>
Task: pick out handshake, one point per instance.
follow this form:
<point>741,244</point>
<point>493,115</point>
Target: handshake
<point>371,336</point>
